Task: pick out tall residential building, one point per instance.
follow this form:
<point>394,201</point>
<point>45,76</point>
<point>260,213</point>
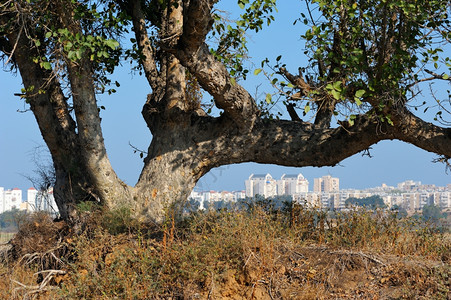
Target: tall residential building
<point>326,184</point>
<point>408,185</point>
<point>10,199</point>
<point>32,195</point>
<point>292,184</point>
<point>261,184</point>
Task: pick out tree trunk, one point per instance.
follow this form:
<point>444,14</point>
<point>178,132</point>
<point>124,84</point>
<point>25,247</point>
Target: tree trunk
<point>181,152</point>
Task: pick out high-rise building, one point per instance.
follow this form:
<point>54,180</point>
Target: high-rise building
<point>261,184</point>
<point>408,185</point>
<point>292,184</point>
<point>10,199</point>
<point>326,184</point>
<point>32,195</point>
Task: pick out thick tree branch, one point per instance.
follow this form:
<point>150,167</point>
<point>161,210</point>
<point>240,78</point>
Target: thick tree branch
<point>145,46</point>
<point>89,132</point>
<point>302,144</point>
<point>175,72</point>
<point>212,75</point>
<point>292,144</point>
<point>411,129</point>
<point>325,111</point>
<point>197,22</point>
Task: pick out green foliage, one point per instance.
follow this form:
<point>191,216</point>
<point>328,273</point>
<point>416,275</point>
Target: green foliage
<point>119,220</point>
<point>400,211</point>
<point>432,213</point>
<point>366,56</point>
<point>369,202</point>
<point>89,37</point>
<point>230,37</point>
<point>88,207</point>
<point>11,219</point>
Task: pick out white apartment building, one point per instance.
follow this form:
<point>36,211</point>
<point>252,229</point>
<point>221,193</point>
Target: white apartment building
<point>32,194</point>
<point>41,201</point>
<point>310,199</point>
<point>36,200</point>
<point>266,186</point>
<point>408,185</point>
<point>10,199</point>
<point>213,196</point>
<point>292,184</point>
<point>261,184</point>
<point>326,184</point>
<point>444,200</point>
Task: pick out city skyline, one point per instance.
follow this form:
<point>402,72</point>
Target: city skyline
<point>222,173</point>
<point>409,194</point>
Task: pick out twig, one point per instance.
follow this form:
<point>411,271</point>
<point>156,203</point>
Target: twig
<point>360,254</point>
<point>210,292</point>
<point>15,45</point>
<point>49,276</point>
<point>270,286</point>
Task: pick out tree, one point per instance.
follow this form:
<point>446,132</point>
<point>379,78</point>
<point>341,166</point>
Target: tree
<point>401,212</point>
<point>432,213</point>
<point>374,201</point>
<point>364,67</point>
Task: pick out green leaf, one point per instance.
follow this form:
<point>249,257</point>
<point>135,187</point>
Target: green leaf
<point>445,76</point>
<point>46,65</point>
<point>257,71</point>
<point>268,98</point>
<point>359,93</point>
<point>48,34</point>
<point>337,85</point>
<point>306,108</point>
<point>335,94</point>
<point>113,44</point>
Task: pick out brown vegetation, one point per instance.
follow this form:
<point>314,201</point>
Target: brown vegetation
<point>254,254</point>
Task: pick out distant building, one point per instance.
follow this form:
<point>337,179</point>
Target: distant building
<point>310,199</point>
<point>408,185</point>
<point>292,184</point>
<point>444,200</point>
<point>32,195</point>
<point>239,195</point>
<point>214,196</point>
<point>12,199</point>
<point>261,184</point>
<point>326,184</point>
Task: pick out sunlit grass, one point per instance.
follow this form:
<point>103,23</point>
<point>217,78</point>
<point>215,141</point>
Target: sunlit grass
<point>248,254</point>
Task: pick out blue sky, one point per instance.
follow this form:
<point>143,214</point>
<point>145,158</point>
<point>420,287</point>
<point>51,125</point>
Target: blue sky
<point>392,161</point>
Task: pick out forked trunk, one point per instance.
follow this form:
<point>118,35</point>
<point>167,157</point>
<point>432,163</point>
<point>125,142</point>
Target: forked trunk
<point>172,168</point>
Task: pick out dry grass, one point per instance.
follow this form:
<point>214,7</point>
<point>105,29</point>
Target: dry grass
<point>5,237</point>
<point>254,254</point>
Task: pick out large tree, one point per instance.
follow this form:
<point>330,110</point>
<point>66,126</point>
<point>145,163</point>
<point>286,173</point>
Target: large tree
<point>364,67</point>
